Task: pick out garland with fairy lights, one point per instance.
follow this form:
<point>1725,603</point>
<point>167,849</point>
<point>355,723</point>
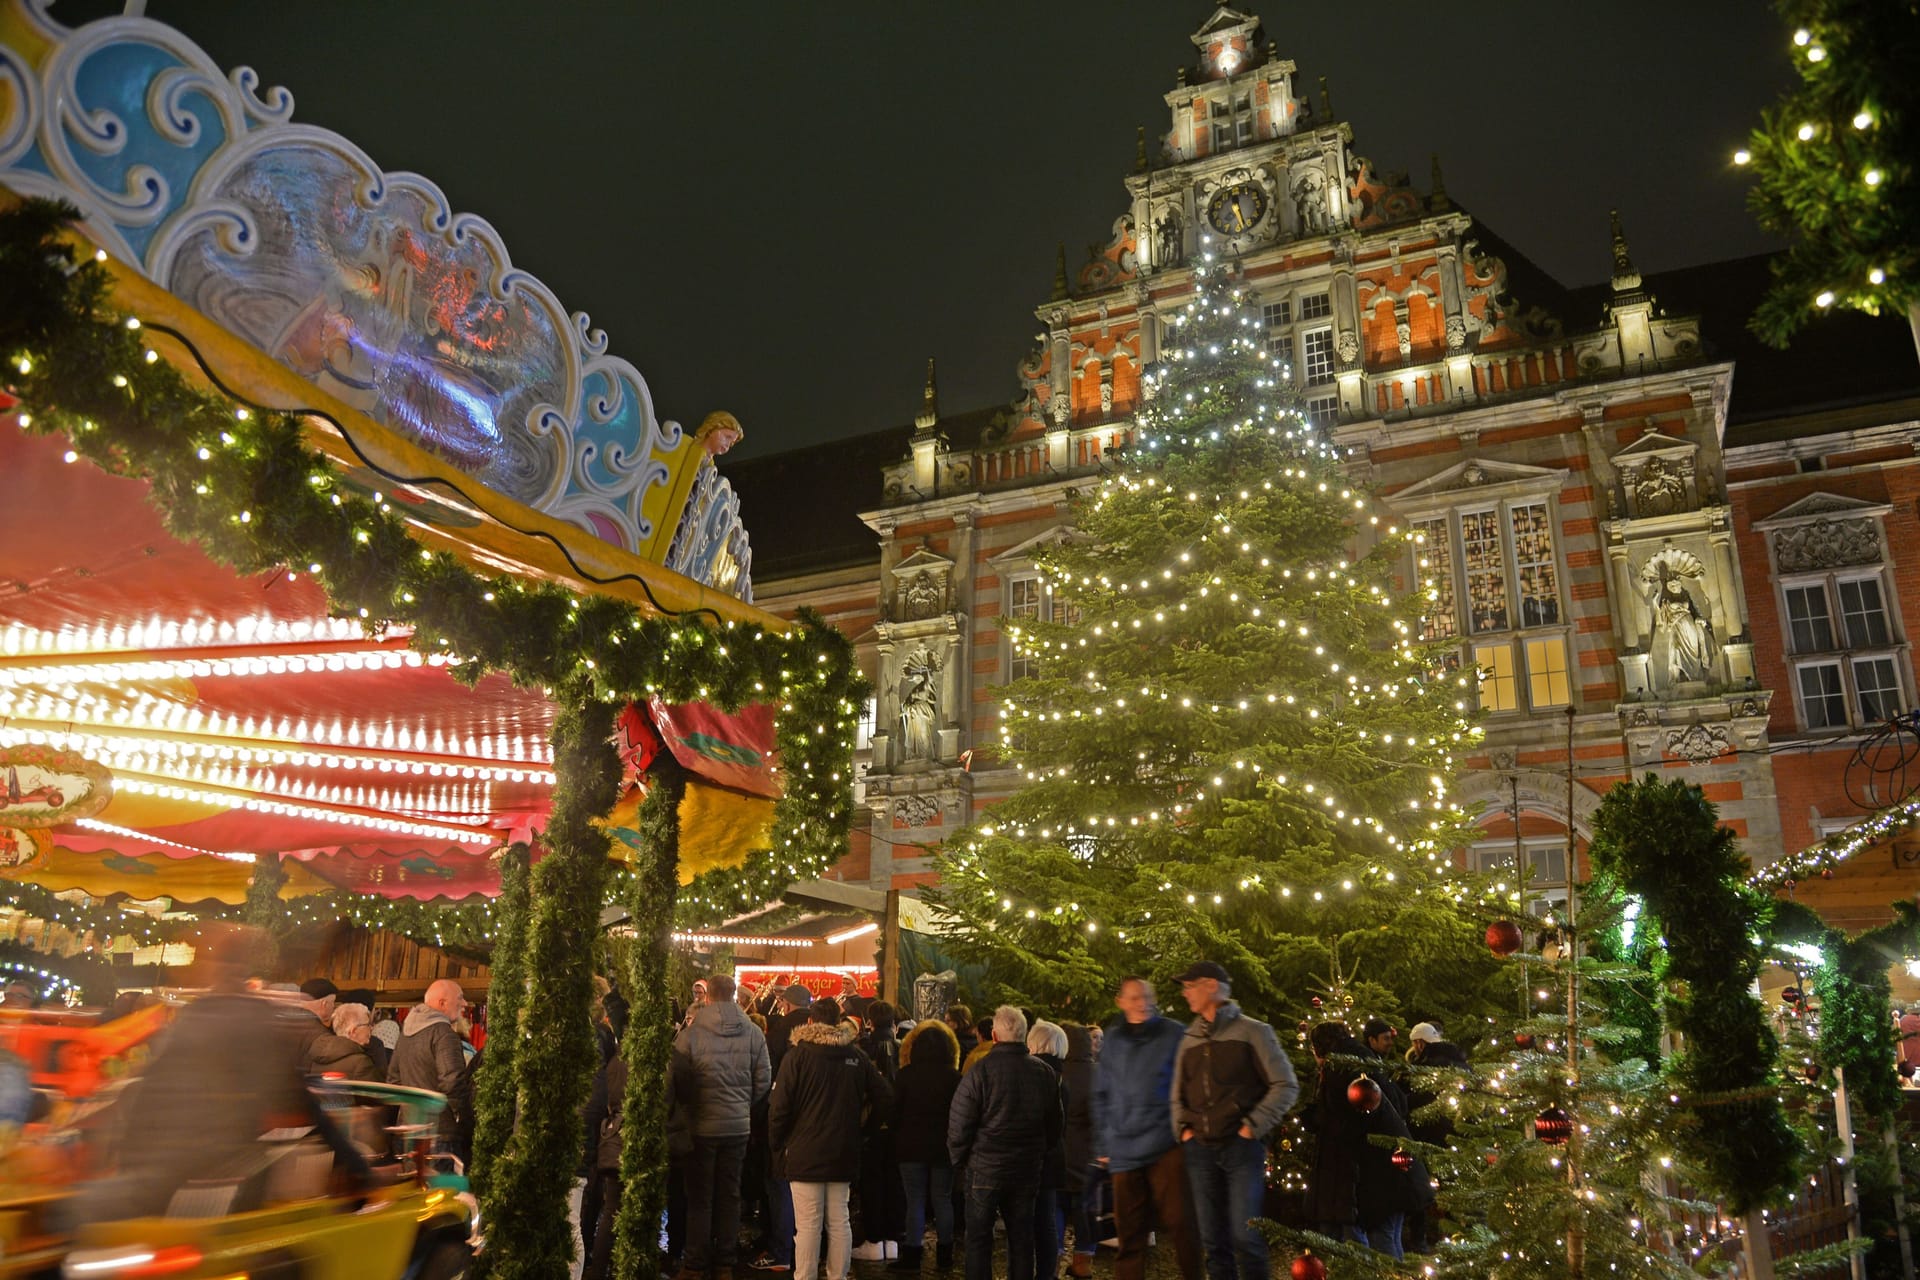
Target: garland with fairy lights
<point>493,1085</point>
<point>242,483</point>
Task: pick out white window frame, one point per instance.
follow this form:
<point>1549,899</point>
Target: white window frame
<point>1287,335</point>
<point>1495,858</point>
<point>1842,656</point>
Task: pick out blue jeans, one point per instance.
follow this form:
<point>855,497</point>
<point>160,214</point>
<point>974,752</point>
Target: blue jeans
<point>1049,1224</point>
<point>1083,1208</point>
<point>1381,1237</point>
<point>1229,1185</point>
<point>1014,1206</point>
<point>917,1180</point>
<point>780,1209</point>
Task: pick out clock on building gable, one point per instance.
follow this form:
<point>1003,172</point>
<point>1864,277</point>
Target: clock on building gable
<point>1237,208</point>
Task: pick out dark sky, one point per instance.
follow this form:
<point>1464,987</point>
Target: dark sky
<point>783,208</point>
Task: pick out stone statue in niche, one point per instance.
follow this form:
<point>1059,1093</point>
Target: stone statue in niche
<point>1684,649</point>
<point>923,596</point>
<point>920,703</point>
<point>1659,490</point>
<point>1310,201</point>
<point>1106,395</point>
<point>1169,243</point>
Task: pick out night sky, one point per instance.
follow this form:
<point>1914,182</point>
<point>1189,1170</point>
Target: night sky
<point>783,208</point>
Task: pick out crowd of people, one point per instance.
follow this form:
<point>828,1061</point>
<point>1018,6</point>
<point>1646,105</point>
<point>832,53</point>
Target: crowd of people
<point>808,1130</point>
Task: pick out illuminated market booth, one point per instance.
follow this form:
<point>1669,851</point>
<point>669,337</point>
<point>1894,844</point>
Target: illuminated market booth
<point>349,574</point>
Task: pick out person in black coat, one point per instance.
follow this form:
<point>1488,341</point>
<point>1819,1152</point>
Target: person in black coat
<point>1006,1116</point>
<point>827,1097</point>
<point>1355,1189</point>
<point>1427,1051</point>
<point>1082,1174</point>
<point>923,1100</point>
<point>883,1211</point>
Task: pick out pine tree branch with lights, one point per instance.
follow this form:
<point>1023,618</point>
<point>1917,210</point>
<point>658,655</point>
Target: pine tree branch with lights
<point>1833,164</point>
<point>1234,746</point>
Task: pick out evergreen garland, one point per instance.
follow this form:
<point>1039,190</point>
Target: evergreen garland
<point>530,1237</point>
<point>648,1045</point>
<point>262,911</point>
<point>493,1100</point>
<point>1855,999</point>
<point>1662,841</point>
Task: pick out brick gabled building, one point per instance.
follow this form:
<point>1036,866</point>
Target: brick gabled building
<point>1594,544</point>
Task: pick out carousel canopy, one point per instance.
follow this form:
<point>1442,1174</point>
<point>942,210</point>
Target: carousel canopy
<point>165,720</point>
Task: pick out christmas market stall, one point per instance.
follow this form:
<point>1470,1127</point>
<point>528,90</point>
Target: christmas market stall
<point>345,567</point>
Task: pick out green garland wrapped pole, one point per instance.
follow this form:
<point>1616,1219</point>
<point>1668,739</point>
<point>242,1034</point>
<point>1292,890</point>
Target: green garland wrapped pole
<point>649,1040</point>
<point>1662,841</point>
<point>529,1237</point>
<point>264,911</point>
<point>493,1102</point>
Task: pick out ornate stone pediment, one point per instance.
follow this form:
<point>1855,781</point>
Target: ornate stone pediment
<point>1657,475</point>
<point>1023,552</point>
<point>1477,478</point>
<point>922,587</point>
<point>1824,531</point>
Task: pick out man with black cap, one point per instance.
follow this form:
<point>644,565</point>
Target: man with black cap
<point>1231,1086</point>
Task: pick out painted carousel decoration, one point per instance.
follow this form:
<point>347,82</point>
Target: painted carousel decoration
<point>364,283</point>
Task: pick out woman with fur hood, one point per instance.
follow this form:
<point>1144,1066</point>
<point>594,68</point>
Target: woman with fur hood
<point>929,1073</point>
<point>825,1098</point>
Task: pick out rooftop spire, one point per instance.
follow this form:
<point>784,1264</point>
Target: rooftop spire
<point>1326,100</point>
<point>1439,199</point>
<point>1625,276</point>
<point>929,403</point>
<point>1140,148</point>
<point>1060,273</point>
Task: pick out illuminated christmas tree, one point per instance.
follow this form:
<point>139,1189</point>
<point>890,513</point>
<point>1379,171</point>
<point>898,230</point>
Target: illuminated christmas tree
<point>1834,165</point>
<point>1234,747</point>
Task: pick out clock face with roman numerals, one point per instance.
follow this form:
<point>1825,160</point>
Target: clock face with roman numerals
<point>1237,209</point>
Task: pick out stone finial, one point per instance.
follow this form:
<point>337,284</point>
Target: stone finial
<point>1326,100</point>
<point>1060,273</point>
<point>1140,148</point>
<point>929,403</point>
<point>1625,276</point>
<point>1439,200</point>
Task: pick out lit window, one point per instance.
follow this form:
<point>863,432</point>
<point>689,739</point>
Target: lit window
<point>1533,565</point>
<point>1808,620</point>
<point>1499,687</point>
<point>869,719</point>
<point>1316,349</point>
<point>1024,596</point>
<point>1864,614</point>
<point>1439,621</point>
<point>1547,681</point>
<point>1546,883</point>
<point>1879,689</point>
<point>1483,557</point>
<point>1821,696</point>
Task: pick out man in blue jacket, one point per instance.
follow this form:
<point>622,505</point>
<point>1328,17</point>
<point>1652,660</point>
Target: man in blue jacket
<point>1132,1090</point>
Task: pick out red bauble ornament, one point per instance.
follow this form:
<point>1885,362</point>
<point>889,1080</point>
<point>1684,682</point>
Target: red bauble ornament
<point>1826,873</point>
<point>1790,995</point>
<point>1305,1026</point>
<point>1400,1158</point>
<point>1308,1267</point>
<point>1503,937</point>
<point>1315,1002</point>
<point>1553,1126</point>
<point>1523,1039</point>
<point>1791,883</point>
<point>1364,1095</point>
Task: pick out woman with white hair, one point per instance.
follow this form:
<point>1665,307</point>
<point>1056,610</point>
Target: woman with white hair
<point>1047,1042</point>
<point>341,1053</point>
